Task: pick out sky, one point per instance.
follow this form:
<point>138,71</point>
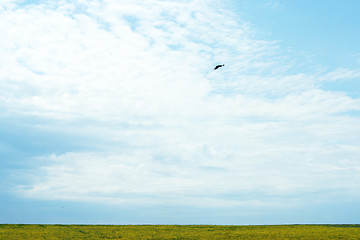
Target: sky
<point>111,112</point>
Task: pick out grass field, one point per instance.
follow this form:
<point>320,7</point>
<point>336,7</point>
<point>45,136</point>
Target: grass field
<point>313,232</point>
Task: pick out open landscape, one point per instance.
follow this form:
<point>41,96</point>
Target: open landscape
<point>179,119</point>
<point>20,231</point>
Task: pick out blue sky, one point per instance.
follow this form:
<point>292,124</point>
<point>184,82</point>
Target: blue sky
<point>326,31</point>
<point>111,112</point>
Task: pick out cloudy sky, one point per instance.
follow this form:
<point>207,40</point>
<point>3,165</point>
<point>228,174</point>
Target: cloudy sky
<point>111,111</point>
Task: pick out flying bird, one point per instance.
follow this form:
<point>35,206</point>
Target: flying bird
<point>218,66</point>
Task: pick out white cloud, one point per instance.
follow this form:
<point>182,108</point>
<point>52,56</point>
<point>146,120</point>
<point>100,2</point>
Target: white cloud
<point>340,74</point>
<point>140,74</point>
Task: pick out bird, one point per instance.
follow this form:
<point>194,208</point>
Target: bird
<point>218,66</point>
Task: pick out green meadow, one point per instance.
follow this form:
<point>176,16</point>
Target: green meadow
<point>313,232</point>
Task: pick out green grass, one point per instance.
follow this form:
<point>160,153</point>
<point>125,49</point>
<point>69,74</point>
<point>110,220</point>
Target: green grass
<point>138,232</point>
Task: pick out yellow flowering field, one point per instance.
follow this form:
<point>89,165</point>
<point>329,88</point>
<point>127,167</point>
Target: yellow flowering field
<point>138,232</point>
